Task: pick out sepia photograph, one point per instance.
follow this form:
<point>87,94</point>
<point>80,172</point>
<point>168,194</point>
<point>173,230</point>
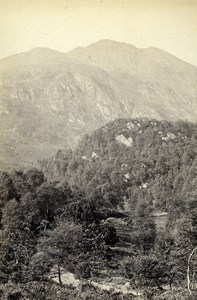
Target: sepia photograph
<point>98,150</point>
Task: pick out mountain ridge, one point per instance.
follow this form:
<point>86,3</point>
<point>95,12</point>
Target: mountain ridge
<point>92,45</point>
<point>49,99</point>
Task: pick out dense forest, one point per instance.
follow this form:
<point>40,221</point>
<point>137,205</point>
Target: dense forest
<point>57,217</point>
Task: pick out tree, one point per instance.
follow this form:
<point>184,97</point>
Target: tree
<point>188,269</point>
<point>164,246</point>
<point>143,230</point>
<point>186,239</point>
<point>17,239</point>
<point>61,245</point>
<point>144,270</point>
<point>96,241</point>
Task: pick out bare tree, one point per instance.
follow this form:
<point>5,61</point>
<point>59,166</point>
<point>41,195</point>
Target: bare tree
<point>188,269</point>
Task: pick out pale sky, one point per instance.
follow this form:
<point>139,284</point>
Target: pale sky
<point>62,25</point>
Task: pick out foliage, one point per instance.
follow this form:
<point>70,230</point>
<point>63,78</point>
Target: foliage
<point>57,217</point>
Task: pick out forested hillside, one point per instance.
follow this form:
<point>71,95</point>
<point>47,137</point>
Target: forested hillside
<point>138,160</point>
<point>63,216</point>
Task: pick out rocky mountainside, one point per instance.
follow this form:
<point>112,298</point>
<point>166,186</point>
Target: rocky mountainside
<point>48,99</point>
<point>166,84</point>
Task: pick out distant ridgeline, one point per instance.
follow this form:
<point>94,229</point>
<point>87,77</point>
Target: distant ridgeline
<point>148,165</point>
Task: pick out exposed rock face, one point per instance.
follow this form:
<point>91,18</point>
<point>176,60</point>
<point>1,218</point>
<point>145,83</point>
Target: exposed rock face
<point>48,100</point>
<point>161,79</point>
<point>123,140</point>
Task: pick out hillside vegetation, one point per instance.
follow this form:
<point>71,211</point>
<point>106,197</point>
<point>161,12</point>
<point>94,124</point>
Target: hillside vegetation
<point>134,160</point>
<point>63,215</point>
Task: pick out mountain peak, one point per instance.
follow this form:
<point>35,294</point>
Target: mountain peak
<point>35,56</point>
<point>106,44</point>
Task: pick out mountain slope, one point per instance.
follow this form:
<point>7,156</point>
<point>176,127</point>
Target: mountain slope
<point>163,76</point>
<point>146,171</point>
<point>44,108</point>
<point>132,162</point>
<point>48,99</point>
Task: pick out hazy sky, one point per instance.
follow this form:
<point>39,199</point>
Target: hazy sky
<point>65,24</point>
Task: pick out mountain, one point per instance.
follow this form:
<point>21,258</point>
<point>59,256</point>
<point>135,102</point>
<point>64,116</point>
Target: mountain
<point>168,83</point>
<point>143,170</point>
<point>48,99</point>
<point>128,161</point>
